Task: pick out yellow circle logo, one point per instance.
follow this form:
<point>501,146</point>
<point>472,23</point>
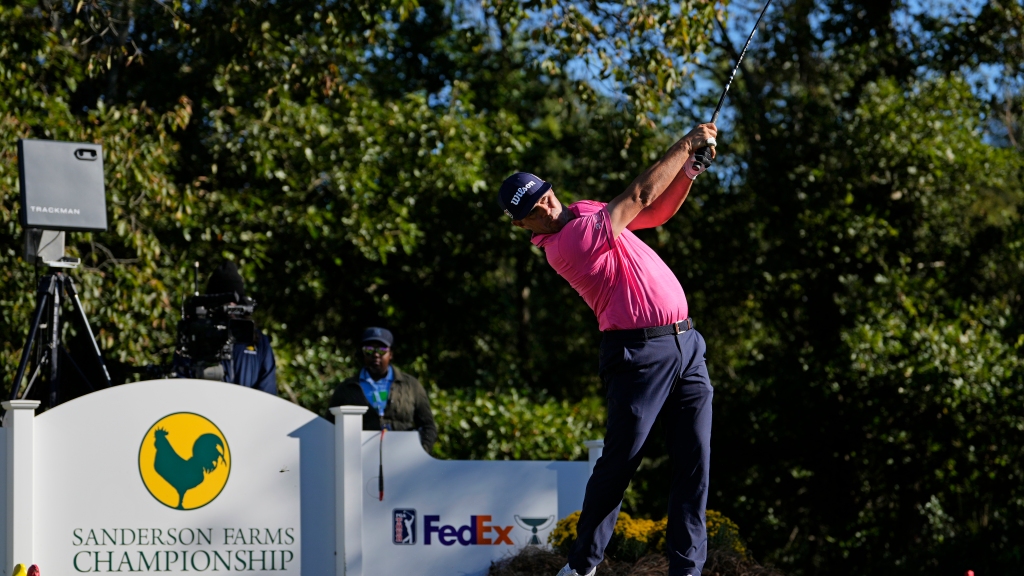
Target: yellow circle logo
<point>184,461</point>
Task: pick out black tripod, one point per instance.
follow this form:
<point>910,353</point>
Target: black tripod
<point>49,349</point>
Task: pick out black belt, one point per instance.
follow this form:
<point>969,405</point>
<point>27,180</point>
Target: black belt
<point>648,333</point>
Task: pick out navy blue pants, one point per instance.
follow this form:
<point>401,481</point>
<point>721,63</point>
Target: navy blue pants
<point>666,375</point>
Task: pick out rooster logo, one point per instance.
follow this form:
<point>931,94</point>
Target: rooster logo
<point>184,461</point>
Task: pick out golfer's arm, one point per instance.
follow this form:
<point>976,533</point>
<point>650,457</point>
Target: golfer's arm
<point>644,193</point>
<point>666,206</point>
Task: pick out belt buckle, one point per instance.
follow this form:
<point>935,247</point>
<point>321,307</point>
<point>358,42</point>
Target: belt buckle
<point>676,326</point>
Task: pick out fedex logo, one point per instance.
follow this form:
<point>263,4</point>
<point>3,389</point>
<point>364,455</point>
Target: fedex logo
<point>477,532</point>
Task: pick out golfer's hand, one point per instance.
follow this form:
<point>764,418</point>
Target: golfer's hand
<point>701,136</point>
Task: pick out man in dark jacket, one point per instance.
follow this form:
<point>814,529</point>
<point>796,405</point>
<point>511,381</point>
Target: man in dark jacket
<point>396,400</point>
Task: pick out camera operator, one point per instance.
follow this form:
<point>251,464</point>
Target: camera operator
<point>251,362</point>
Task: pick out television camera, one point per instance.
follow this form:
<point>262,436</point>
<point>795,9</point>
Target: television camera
<point>210,327</point>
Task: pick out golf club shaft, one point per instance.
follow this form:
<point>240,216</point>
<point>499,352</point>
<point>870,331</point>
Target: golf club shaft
<point>714,117</point>
<point>703,156</point>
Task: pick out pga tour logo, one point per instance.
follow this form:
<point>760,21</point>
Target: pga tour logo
<point>404,526</point>
<point>521,191</point>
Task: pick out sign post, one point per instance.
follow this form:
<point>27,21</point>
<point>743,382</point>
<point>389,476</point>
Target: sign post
<point>19,424</point>
<point>594,450</point>
<point>348,479</point>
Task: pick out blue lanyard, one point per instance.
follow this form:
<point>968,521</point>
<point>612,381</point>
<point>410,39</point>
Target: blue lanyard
<point>377,391</point>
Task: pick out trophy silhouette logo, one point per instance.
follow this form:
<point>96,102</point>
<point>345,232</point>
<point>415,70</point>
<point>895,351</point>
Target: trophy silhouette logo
<point>533,525</point>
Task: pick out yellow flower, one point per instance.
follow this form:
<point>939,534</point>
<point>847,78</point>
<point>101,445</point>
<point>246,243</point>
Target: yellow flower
<point>635,537</point>
<point>658,532</point>
<point>724,533</point>
<point>564,534</point>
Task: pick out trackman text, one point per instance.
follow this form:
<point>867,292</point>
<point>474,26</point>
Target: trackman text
<point>475,533</point>
<point>54,210</point>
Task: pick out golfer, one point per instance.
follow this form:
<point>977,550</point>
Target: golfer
<point>652,360</point>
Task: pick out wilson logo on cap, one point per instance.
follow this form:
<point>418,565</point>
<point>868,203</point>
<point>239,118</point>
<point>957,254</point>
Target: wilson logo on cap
<point>520,192</point>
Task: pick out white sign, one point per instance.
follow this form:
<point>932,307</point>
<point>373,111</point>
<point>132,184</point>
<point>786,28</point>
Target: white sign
<point>456,517</point>
<point>183,476</point>
<point>176,476</point>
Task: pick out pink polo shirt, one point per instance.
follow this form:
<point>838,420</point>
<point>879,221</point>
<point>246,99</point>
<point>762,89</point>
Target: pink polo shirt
<point>623,281</point>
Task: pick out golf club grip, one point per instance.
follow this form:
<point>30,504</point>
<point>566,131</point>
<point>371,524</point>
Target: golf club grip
<point>703,157</point>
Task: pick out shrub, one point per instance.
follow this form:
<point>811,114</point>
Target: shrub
<point>633,538</point>
<point>564,534</point>
<point>724,534</point>
<point>308,372</point>
<point>658,538</point>
<point>472,423</point>
<point>629,542</point>
<point>478,424</point>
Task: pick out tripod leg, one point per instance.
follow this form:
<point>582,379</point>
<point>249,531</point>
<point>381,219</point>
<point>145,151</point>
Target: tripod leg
<point>42,297</point>
<point>32,380</point>
<point>69,285</point>
<point>54,351</point>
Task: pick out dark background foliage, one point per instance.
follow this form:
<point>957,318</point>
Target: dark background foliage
<point>854,258</point>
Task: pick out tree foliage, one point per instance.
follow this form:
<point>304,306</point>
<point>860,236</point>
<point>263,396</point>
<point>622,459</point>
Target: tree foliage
<point>854,259</point>
<point>345,154</point>
<point>869,351</point>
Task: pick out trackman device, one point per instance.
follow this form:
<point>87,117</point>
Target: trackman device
<point>61,190</point>
<point>62,185</point>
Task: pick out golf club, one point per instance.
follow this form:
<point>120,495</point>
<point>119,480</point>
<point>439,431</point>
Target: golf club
<point>702,159</point>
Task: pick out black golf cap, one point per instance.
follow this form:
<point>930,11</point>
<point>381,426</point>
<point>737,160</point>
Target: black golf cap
<point>382,335</point>
<point>519,192</point>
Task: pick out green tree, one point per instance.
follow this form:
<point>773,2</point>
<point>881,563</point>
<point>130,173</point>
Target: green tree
<point>853,258</point>
<point>125,284</point>
<point>345,154</point>
<point>861,279</point>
